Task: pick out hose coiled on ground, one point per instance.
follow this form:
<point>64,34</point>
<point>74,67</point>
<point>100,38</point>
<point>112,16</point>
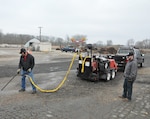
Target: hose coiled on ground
<point>60,85</point>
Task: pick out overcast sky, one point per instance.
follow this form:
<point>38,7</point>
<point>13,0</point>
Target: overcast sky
<point>99,20</point>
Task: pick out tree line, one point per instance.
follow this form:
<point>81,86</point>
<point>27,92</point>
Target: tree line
<point>144,44</point>
<point>11,38</point>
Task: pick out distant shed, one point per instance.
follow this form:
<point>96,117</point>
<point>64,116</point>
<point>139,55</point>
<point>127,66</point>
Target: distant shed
<point>31,42</point>
<point>45,46</point>
<point>35,45</point>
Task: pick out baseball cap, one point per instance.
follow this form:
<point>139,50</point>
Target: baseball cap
<point>130,54</point>
<point>22,50</point>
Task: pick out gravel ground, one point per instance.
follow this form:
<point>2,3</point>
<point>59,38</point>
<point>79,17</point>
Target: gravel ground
<point>77,99</point>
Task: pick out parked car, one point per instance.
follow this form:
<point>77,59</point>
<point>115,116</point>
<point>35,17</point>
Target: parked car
<point>57,48</point>
<point>68,49</point>
<point>121,56</point>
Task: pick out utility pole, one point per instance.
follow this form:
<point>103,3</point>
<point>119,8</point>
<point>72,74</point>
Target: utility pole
<point>40,32</point>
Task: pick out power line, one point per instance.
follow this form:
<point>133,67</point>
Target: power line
<point>40,32</point>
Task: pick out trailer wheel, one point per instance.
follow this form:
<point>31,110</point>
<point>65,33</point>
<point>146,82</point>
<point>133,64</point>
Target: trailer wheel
<point>94,77</point>
<point>113,74</point>
<point>108,76</point>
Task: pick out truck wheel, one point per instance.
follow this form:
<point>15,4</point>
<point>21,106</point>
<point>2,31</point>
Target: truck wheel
<point>141,64</point>
<point>108,76</point>
<point>113,74</point>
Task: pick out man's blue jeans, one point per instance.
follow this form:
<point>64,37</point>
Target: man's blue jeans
<point>23,80</point>
<point>127,86</point>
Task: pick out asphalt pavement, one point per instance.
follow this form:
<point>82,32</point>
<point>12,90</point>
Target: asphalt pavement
<point>77,99</point>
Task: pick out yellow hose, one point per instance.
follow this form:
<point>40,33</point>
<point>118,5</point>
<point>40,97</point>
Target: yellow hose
<point>60,85</point>
<point>83,62</point>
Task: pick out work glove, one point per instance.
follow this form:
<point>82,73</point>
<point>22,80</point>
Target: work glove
<point>18,71</point>
<point>29,70</point>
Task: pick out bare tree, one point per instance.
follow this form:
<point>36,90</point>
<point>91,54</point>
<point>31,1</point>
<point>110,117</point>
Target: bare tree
<point>59,42</point>
<point>67,40</point>
<point>139,44</point>
<point>143,44</point>
<point>1,37</point>
<point>146,43</point>
<point>130,42</point>
<point>109,42</point>
<point>99,43</point>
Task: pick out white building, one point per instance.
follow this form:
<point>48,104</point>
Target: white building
<point>35,45</point>
<point>45,46</point>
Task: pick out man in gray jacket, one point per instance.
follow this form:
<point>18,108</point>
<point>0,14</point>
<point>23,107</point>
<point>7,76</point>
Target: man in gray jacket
<point>130,74</point>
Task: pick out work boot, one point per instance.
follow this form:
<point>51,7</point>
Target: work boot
<point>22,90</point>
<point>33,92</point>
<point>127,100</point>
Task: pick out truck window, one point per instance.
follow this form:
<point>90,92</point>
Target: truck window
<point>124,51</point>
<point>137,52</point>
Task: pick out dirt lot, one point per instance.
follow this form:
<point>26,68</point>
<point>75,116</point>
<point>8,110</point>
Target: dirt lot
<point>77,99</point>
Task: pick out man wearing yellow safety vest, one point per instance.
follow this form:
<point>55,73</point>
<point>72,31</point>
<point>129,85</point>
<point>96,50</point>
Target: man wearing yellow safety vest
<point>26,65</point>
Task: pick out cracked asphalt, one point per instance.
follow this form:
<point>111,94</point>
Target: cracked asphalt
<point>77,99</point>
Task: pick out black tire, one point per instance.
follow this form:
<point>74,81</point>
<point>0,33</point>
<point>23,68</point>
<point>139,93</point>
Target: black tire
<point>141,64</point>
<point>94,77</point>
